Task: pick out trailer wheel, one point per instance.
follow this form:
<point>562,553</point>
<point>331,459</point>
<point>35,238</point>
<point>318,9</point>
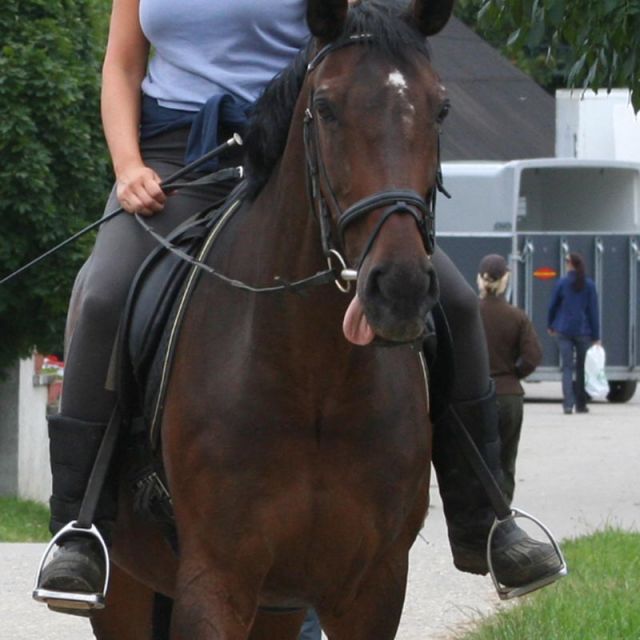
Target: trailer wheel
<point>621,390</point>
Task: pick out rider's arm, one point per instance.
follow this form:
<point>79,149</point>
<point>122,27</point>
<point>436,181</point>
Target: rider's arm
<point>123,70</point>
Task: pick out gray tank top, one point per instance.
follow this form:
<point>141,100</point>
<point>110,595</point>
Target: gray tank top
<point>208,47</point>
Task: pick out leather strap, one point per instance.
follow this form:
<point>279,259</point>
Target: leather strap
<point>100,469</point>
<point>474,457</point>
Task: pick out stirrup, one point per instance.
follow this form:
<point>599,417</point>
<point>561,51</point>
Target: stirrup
<point>65,599</point>
<point>506,593</point>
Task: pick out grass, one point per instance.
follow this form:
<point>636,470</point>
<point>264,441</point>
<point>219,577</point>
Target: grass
<point>598,600</point>
<point>23,521</point>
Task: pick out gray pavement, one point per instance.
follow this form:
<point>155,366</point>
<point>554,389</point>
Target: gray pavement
<point>576,473</point>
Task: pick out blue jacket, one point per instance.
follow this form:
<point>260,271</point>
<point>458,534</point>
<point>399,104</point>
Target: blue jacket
<point>574,313</point>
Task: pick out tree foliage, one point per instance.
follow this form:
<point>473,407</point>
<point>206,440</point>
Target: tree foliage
<point>588,43</point>
<point>534,61</point>
<point>54,170</point>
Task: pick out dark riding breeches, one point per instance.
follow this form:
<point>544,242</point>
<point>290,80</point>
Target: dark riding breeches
<point>470,355</point>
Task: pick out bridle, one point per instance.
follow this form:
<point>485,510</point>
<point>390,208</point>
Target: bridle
<point>396,201</point>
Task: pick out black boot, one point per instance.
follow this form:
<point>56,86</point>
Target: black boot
<point>518,559</point>
<point>78,564</point>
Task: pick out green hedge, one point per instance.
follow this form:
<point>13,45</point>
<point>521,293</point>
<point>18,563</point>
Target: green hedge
<point>54,169</point>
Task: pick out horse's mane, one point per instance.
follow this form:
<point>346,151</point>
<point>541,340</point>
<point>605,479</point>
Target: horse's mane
<point>392,35</point>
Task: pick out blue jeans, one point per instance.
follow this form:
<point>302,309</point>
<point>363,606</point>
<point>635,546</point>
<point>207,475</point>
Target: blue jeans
<point>311,627</point>
<point>571,346</point>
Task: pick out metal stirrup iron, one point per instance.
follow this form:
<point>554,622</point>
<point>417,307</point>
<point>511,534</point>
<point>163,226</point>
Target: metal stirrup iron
<point>84,526</point>
<point>67,599</point>
<point>504,513</point>
<point>506,593</point>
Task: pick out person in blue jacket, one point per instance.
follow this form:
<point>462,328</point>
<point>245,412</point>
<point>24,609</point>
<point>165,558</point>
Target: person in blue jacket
<point>573,319</point>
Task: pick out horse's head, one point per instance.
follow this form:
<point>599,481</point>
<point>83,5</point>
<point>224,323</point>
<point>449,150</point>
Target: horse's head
<point>373,111</point>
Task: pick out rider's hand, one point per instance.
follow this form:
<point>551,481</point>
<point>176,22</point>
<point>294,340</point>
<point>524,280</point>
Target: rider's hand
<point>138,190</point>
<point>551,332</point>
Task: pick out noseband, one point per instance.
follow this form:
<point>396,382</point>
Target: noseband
<point>396,201</point>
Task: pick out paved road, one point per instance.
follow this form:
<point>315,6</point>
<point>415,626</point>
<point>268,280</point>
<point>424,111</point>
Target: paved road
<point>576,473</point>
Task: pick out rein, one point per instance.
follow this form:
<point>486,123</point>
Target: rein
<point>404,201</point>
<point>397,201</point>
<point>319,278</point>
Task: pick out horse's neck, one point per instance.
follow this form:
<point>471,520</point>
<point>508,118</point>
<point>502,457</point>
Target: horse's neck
<point>283,206</point>
<point>290,246</point>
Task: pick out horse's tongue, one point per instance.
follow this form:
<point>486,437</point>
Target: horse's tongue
<point>355,326</point>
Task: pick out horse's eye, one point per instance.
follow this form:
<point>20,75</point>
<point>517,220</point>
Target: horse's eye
<point>444,111</point>
<point>325,110</point>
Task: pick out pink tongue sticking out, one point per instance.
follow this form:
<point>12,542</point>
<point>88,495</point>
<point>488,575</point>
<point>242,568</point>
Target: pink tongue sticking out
<point>355,326</point>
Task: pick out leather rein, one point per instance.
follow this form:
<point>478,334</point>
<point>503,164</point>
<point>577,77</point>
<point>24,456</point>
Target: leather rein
<point>397,201</point>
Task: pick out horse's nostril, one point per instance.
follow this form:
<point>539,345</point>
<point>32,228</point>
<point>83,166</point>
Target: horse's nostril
<point>375,282</point>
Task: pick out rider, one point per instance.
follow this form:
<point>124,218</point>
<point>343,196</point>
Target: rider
<point>156,110</point>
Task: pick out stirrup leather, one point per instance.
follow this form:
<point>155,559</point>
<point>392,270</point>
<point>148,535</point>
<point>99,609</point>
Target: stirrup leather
<point>506,593</point>
<point>66,599</point>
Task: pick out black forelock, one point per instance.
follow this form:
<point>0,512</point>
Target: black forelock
<point>391,35</point>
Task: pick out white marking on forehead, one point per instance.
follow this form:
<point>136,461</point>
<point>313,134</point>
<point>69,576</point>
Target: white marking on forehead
<point>396,79</point>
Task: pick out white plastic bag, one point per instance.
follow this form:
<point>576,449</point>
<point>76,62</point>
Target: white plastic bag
<point>595,379</point>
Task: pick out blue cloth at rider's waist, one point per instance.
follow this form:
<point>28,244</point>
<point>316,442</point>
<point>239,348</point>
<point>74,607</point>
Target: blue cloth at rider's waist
<point>220,111</point>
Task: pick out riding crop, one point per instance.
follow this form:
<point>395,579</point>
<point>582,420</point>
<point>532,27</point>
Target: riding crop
<point>166,185</point>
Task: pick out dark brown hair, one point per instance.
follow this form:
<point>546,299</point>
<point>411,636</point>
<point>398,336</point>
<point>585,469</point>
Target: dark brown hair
<point>578,264</point>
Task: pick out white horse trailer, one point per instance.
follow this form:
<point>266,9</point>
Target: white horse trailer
<point>536,211</point>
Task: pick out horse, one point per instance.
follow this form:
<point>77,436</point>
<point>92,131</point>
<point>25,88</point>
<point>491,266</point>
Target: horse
<point>296,436</point>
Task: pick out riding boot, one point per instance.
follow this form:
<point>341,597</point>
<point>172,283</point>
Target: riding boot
<point>78,564</point>
<point>518,559</point>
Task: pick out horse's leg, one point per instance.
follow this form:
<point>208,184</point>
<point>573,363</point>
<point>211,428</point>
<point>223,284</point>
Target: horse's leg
<point>128,614</point>
<point>283,626</point>
<point>375,613</point>
<point>209,607</point>
<point>216,597</point>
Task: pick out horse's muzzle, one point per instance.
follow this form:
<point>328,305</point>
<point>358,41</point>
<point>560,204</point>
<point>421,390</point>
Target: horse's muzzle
<point>397,297</point>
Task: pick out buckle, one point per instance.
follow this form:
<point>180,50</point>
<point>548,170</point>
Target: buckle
<point>78,602</point>
<point>507,593</point>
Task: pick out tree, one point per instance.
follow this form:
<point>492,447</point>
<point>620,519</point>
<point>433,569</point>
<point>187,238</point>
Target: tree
<point>591,43</point>
<point>534,61</point>
<point>54,169</point>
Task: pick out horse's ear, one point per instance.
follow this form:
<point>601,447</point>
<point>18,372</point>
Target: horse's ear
<point>326,18</point>
<point>431,15</point>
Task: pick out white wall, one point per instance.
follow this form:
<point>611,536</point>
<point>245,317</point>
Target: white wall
<point>597,126</point>
<point>34,476</point>
<point>24,444</point>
